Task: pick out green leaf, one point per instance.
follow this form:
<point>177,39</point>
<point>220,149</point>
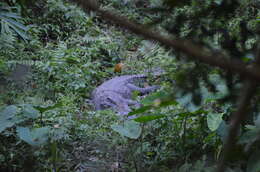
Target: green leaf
<point>2,64</point>
<point>149,100</point>
<point>190,114</point>
<point>253,164</point>
<point>130,129</point>
<point>9,112</point>
<point>72,60</point>
<point>186,101</point>
<point>222,131</point>
<point>218,2</point>
<point>7,117</point>
<point>9,14</point>
<point>154,101</point>
<point>214,120</point>
<point>35,137</point>
<point>30,112</point>
<point>16,24</point>
<point>148,118</point>
<point>5,124</point>
<point>4,27</point>
<point>24,134</point>
<point>20,32</point>
<point>249,136</point>
<point>140,110</point>
<point>247,59</point>
<point>135,95</point>
<point>9,20</point>
<point>43,109</point>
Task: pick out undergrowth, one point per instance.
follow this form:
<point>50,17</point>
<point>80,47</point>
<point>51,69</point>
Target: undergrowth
<point>48,122</point>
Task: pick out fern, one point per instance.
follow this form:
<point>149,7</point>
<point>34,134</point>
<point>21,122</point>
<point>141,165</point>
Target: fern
<point>11,22</point>
<point>6,41</point>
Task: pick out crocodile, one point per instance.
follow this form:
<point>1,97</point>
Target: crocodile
<point>116,93</point>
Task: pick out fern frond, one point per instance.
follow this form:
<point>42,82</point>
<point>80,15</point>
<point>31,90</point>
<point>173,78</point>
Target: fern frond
<point>11,21</point>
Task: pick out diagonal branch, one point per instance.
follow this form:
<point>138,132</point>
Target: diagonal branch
<point>193,51</point>
<point>243,104</point>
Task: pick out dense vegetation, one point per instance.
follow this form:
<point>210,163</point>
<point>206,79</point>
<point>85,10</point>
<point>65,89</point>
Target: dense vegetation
<point>54,53</point>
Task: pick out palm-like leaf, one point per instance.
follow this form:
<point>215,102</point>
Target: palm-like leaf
<point>10,22</point>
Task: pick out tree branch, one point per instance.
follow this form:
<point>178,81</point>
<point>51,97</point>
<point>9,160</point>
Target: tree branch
<point>248,92</point>
<point>243,103</point>
<point>193,51</point>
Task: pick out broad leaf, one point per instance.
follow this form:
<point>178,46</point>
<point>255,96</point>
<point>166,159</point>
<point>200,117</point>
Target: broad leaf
<point>24,134</point>
<point>130,129</point>
<point>149,100</point>
<point>222,131</point>
<point>34,137</point>
<point>214,120</point>
<point>249,138</point>
<point>140,110</point>
<point>9,111</point>
<point>30,112</point>
<point>7,117</point>
<point>186,101</point>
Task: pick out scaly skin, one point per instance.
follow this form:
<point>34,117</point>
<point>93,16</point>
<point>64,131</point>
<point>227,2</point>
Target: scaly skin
<point>116,93</point>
